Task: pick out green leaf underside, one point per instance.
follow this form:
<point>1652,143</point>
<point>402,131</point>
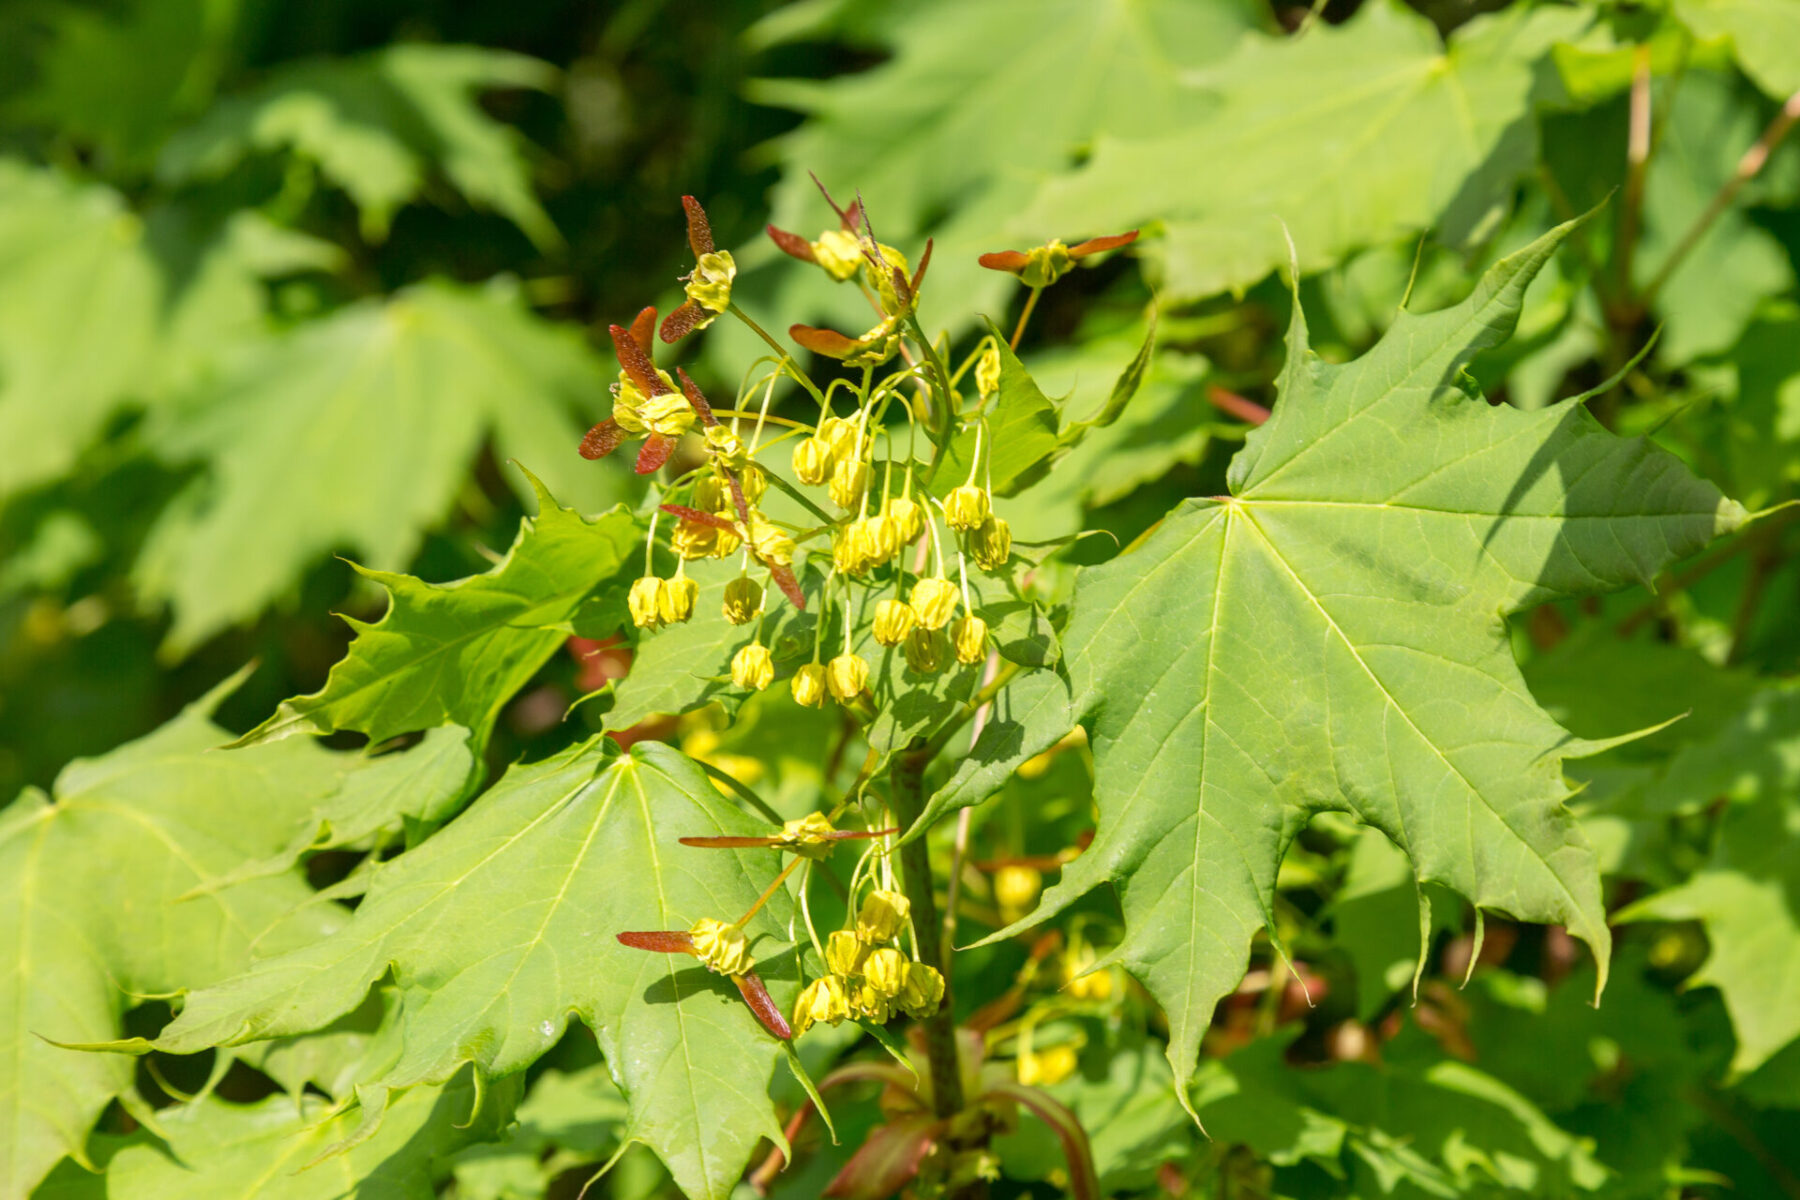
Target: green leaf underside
<point>1330,637</point>
<point>1417,134</point>
<point>352,434</point>
<point>455,653</point>
<point>540,873</point>
<point>117,884</point>
<point>267,1150</point>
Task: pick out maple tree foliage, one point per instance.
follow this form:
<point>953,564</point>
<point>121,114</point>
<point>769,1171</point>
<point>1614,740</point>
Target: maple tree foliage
<point>1176,599</point>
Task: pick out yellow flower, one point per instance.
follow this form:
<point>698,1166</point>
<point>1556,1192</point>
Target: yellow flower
<point>987,371</point>
<point>966,507</point>
<point>839,252</point>
<point>752,668</point>
<point>770,541</point>
<point>846,676</point>
<point>844,952</point>
<point>840,435</point>
<point>823,999</point>
<point>908,515</point>
<point>969,636</point>
<point>885,969</point>
<point>806,836</point>
<point>1048,1067</point>
<point>669,414</point>
<point>809,685</point>
<point>923,992</point>
<point>723,948</point>
<point>934,601</point>
<point>725,445</point>
<point>853,548</point>
<point>675,599</point>
<point>885,532</point>
<point>849,480</point>
<point>713,494</point>
<point>992,542</point>
<point>872,1004</point>
<point>1016,889</point>
<point>882,915</point>
<point>628,402</point>
<point>743,600</point>
<point>755,481</point>
<point>710,284</point>
<point>812,461</point>
<point>894,619</point>
<point>641,600</point>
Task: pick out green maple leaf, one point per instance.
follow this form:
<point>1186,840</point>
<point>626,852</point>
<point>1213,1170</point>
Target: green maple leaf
<point>375,124</point>
<point>113,889</point>
<point>536,878</point>
<point>1400,133</point>
<point>454,653</point>
<point>271,1149</point>
<point>1764,34</point>
<point>1329,636</point>
<point>79,310</point>
<point>354,432</point>
<point>1745,892</point>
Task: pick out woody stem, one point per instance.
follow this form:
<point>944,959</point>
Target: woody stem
<point>908,802</point>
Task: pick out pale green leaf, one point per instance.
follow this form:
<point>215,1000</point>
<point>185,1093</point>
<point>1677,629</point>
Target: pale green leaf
<point>455,653</point>
<point>1765,34</point>
<point>376,125</point>
<point>113,890</point>
<point>354,434</point>
<point>79,305</point>
<point>1328,637</point>
<point>270,1150</point>
<point>538,876</point>
<point>1353,135</point>
<point>950,136</point>
<point>566,1119</point>
<point>1015,433</point>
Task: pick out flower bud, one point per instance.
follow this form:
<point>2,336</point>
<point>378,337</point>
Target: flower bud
<point>839,252</point>
<point>709,285</point>
<point>823,999</point>
<point>755,481</point>
<point>669,414</point>
<point>641,600</point>
<point>809,685</point>
<point>853,548</point>
<point>675,599</point>
<point>846,676</point>
<point>966,507</point>
<point>723,948</point>
<point>992,542</point>
<point>725,543</point>
<point>969,637</point>
<point>882,915</point>
<point>923,991</point>
<point>924,651</point>
<point>771,542</point>
<point>908,514</point>
<point>693,540</point>
<point>894,619</point>
<point>812,461</point>
<point>871,1004</point>
<point>725,445</point>
<point>1016,889</point>
<point>808,836</point>
<point>934,600</point>
<point>743,600</point>
<point>987,372</point>
<point>885,969</point>
<point>1097,985</point>
<point>844,953</point>
<point>840,435</point>
<point>885,534</point>
<point>713,494</point>
<point>849,480</point>
<point>752,668</point>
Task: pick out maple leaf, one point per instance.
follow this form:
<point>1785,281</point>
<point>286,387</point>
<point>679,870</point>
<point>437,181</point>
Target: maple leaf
<point>538,876</point>
<point>455,653</point>
<point>1330,636</point>
<point>114,888</point>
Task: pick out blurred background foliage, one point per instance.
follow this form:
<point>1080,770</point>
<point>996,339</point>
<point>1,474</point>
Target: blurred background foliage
<point>288,280</point>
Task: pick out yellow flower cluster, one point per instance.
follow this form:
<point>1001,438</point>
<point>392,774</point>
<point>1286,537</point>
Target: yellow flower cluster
<point>868,977</point>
